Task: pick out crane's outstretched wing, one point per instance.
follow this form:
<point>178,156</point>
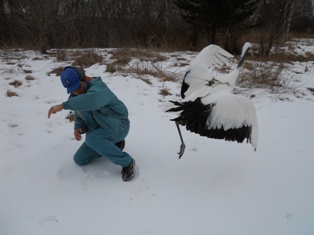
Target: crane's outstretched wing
<point>199,81</point>
<point>212,56</point>
<point>198,74</point>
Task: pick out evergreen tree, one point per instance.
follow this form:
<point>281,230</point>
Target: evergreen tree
<point>211,16</point>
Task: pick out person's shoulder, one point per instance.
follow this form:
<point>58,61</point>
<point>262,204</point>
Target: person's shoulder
<point>97,81</point>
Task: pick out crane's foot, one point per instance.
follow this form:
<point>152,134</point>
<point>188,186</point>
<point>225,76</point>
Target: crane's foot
<point>181,152</point>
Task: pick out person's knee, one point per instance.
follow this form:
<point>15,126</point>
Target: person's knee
<point>79,161</point>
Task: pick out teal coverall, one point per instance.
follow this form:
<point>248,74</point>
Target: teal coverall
<point>104,119</point>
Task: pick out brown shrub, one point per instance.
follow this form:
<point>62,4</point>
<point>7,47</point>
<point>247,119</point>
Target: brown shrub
<point>122,57</point>
<point>56,71</point>
<point>87,59</point>
<point>70,116</point>
<point>127,54</point>
<point>61,55</point>
<point>116,66</point>
<point>11,94</point>
<point>165,92</point>
<point>27,71</point>
<point>29,78</point>
<point>283,57</point>
<point>147,65</point>
<point>153,69</point>
<point>263,75</point>
<point>16,83</point>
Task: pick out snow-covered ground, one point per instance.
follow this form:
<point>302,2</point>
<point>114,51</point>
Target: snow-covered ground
<point>216,188</point>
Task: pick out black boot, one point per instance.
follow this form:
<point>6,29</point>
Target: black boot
<point>128,172</point>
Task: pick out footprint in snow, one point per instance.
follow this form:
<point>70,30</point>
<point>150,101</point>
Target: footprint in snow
<point>69,172</point>
<point>51,219</point>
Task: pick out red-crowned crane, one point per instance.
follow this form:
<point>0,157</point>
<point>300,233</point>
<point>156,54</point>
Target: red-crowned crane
<point>209,107</point>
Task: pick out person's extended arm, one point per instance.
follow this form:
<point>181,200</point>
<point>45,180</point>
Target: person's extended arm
<point>54,109</point>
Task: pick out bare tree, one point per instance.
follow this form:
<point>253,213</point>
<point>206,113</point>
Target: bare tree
<point>279,13</point>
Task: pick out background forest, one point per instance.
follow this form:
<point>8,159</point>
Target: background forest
<point>167,24</point>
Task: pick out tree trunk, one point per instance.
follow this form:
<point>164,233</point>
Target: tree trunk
<point>3,29</point>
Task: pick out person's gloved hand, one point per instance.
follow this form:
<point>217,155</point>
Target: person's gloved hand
<point>78,134</point>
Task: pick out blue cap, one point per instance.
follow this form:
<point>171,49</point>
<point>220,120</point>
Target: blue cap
<point>70,79</point>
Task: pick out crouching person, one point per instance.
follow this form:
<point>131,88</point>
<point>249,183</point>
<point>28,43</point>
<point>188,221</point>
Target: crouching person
<point>101,116</point>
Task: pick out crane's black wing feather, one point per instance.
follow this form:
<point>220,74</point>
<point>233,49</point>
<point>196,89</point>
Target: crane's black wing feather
<point>196,117</point>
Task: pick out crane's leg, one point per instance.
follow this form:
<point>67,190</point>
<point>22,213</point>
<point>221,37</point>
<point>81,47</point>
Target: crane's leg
<point>182,146</point>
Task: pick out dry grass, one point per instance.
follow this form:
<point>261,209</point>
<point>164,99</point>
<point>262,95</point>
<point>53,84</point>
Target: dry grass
<point>282,57</point>
<point>16,83</point>
<point>116,66</point>
<point>127,54</point>
<point>29,78</point>
<point>267,74</point>
<point>271,73</point>
<point>56,71</point>
<point>283,53</point>
<point>146,80</point>
<point>165,92</point>
<point>71,116</point>
<point>86,59</point>
<point>152,69</point>
<point>27,71</point>
<point>122,57</point>
<point>311,90</point>
<point>61,55</point>
<point>11,93</point>
<point>270,76</point>
<point>148,63</point>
